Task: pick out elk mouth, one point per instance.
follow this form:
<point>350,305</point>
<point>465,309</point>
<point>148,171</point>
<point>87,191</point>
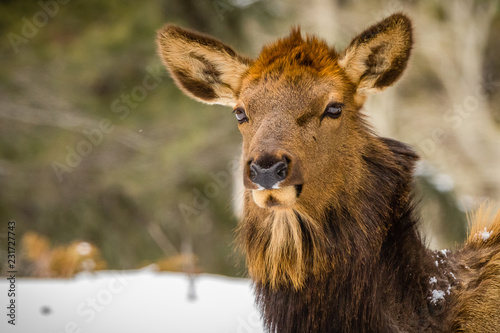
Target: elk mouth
<point>282,197</point>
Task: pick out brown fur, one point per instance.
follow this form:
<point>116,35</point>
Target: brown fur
<point>476,307</point>
<point>334,247</point>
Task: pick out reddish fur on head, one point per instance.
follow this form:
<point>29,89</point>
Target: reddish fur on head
<point>292,55</point>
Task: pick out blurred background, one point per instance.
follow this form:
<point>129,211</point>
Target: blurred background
<point>105,164</point>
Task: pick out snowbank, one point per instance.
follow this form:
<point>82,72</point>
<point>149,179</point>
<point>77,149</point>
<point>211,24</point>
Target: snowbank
<point>132,302</point>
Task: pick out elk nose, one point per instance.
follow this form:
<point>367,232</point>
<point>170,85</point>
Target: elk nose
<point>270,176</point>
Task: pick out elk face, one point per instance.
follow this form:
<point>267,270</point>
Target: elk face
<point>294,130</point>
<point>297,105</point>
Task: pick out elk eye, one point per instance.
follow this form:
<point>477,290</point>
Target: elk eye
<point>240,114</point>
<point>333,110</point>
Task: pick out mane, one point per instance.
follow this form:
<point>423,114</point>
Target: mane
<point>294,54</point>
<point>286,246</point>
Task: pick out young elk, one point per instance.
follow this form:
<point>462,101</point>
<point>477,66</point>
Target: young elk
<point>329,223</point>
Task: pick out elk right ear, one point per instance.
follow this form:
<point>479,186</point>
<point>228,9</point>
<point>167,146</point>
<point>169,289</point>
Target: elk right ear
<point>203,67</point>
<point>376,58</point>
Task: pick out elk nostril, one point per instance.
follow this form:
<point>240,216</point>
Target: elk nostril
<point>254,171</point>
<point>281,170</point>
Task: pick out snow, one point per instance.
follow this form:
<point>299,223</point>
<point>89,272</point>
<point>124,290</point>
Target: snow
<point>437,265</point>
<point>437,295</point>
<point>444,252</point>
<point>433,280</point>
<point>132,302</point>
<point>485,235</point>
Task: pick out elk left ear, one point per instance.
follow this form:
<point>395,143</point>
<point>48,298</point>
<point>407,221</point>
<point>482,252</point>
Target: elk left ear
<point>376,58</point>
<point>202,67</point>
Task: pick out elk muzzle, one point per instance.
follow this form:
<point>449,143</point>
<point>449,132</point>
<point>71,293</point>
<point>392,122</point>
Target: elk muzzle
<point>274,178</point>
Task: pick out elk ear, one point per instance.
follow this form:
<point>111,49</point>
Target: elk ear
<point>376,58</point>
<point>201,66</point>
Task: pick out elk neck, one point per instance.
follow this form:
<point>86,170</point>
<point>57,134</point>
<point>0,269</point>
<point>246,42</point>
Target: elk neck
<point>350,270</point>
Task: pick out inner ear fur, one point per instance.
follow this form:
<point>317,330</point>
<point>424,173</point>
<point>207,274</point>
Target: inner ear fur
<point>377,57</point>
<point>203,67</point>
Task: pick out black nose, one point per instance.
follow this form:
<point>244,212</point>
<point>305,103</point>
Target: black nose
<point>268,177</point>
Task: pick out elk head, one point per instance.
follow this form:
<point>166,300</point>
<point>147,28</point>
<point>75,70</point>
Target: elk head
<point>297,107</point>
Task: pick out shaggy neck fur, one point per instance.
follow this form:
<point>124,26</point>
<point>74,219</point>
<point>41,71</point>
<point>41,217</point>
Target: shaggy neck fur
<point>348,271</point>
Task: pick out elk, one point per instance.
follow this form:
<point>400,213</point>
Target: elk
<point>329,224</point>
